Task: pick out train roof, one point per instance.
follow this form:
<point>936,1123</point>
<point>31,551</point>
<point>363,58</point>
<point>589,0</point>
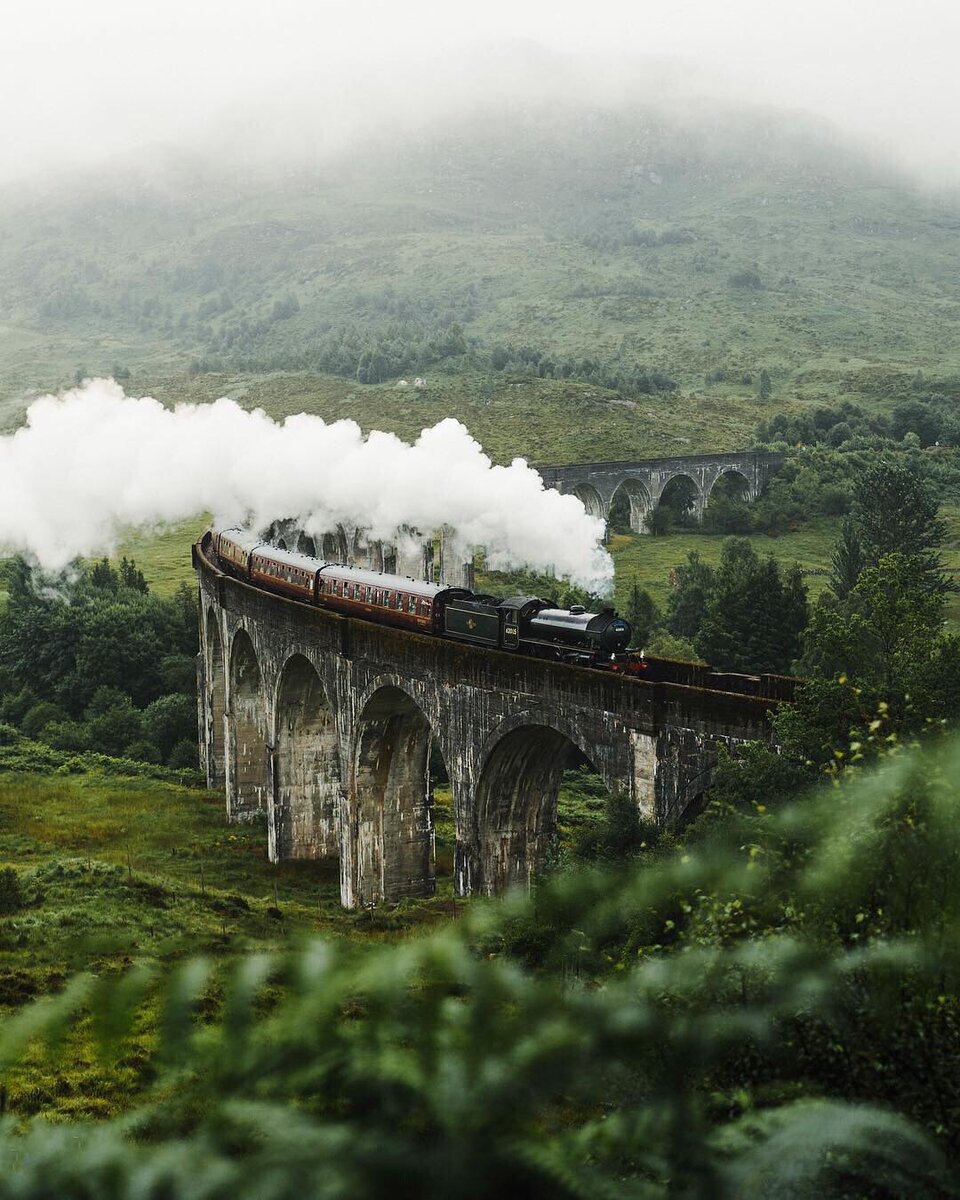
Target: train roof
<point>397,583</point>
<point>246,539</point>
<point>291,558</point>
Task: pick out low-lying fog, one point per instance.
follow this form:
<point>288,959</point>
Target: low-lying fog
<point>80,84</point>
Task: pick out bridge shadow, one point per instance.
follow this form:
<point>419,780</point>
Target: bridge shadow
<point>392,824</point>
<point>307,785</point>
<point>248,794</point>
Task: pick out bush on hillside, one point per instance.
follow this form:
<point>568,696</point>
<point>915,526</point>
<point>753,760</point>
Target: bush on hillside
<point>11,894</point>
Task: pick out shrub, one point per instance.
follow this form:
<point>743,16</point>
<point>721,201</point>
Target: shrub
<point>183,755</point>
<point>9,736</point>
<point>40,716</point>
<point>143,750</point>
<point>11,894</point>
<point>67,735</point>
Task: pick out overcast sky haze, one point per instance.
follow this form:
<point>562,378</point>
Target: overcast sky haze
<point>82,81</point>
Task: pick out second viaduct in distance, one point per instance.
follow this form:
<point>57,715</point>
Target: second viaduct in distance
<point>646,480</point>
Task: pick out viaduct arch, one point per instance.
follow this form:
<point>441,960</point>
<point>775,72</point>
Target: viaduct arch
<point>326,724</point>
<point>644,481</point>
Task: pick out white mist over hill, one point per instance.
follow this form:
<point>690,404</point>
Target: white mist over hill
<point>93,461</point>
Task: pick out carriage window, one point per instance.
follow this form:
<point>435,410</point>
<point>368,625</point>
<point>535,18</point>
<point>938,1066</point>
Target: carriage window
<point>425,608</point>
<point>399,601</point>
<point>412,604</point>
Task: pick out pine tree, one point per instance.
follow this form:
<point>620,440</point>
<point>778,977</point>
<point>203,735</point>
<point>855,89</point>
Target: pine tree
<point>693,583</point>
<point>896,512</point>
<point>642,613</point>
<point>753,620</point>
<point>847,561</point>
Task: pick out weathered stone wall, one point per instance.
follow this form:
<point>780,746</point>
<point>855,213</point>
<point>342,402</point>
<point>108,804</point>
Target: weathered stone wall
<point>327,725</point>
<point>644,481</point>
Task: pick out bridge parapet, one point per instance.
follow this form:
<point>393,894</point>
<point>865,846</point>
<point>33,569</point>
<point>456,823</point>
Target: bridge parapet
<point>326,725</point>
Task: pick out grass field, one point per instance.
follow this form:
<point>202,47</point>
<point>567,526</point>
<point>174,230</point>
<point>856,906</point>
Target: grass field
<point>117,872</point>
<point>120,871</point>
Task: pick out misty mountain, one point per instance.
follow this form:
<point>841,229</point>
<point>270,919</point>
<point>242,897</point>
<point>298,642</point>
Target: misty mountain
<point>671,246</point>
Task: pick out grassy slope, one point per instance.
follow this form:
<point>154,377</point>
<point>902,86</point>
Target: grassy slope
<point>123,871</point>
<point>118,872</point>
<point>859,277</point>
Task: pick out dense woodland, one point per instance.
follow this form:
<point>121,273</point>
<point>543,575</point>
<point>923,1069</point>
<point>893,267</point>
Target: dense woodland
<point>90,661</point>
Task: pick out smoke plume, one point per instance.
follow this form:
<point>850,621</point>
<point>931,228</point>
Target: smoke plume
<point>93,462</point>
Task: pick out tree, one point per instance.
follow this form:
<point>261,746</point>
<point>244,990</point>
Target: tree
<point>84,652</point>
<point>884,635</point>
<point>692,583</point>
<point>659,520</point>
<point>913,416</point>
<point>618,520</point>
<point>766,388</point>
<point>169,720</point>
<point>753,617</point>
<point>896,512</point>
<point>642,613</point>
<point>847,561</point>
<point>727,509</point>
<point>132,577</point>
<point>113,723</point>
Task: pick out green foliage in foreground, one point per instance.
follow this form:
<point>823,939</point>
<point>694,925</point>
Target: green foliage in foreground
<point>772,1012</point>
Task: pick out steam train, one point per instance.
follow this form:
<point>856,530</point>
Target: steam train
<point>523,624</point>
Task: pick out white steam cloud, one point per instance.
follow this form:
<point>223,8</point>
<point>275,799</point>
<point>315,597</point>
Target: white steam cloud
<point>94,461</point>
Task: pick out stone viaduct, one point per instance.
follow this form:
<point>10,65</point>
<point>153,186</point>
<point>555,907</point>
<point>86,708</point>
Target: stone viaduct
<point>644,482</point>
<point>325,725</point>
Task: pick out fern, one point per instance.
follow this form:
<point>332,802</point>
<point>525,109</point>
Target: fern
<point>743,1017</point>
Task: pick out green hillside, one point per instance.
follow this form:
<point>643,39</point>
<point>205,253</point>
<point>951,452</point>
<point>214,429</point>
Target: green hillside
<point>589,248</point>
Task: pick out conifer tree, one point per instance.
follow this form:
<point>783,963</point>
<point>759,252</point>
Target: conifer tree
<point>847,561</point>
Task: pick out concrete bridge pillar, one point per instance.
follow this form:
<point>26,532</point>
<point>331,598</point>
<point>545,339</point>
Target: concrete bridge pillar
<point>388,836</point>
<point>306,796</point>
<point>414,554</point>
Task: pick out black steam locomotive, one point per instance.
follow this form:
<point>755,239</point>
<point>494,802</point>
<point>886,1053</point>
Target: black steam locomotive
<point>524,624</point>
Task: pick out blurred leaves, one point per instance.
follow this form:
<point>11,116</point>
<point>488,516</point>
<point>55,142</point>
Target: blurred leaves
<point>770,1010</point>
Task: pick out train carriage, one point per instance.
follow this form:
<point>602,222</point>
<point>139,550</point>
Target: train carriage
<point>389,599</point>
<point>285,571</point>
<point>234,547</point>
